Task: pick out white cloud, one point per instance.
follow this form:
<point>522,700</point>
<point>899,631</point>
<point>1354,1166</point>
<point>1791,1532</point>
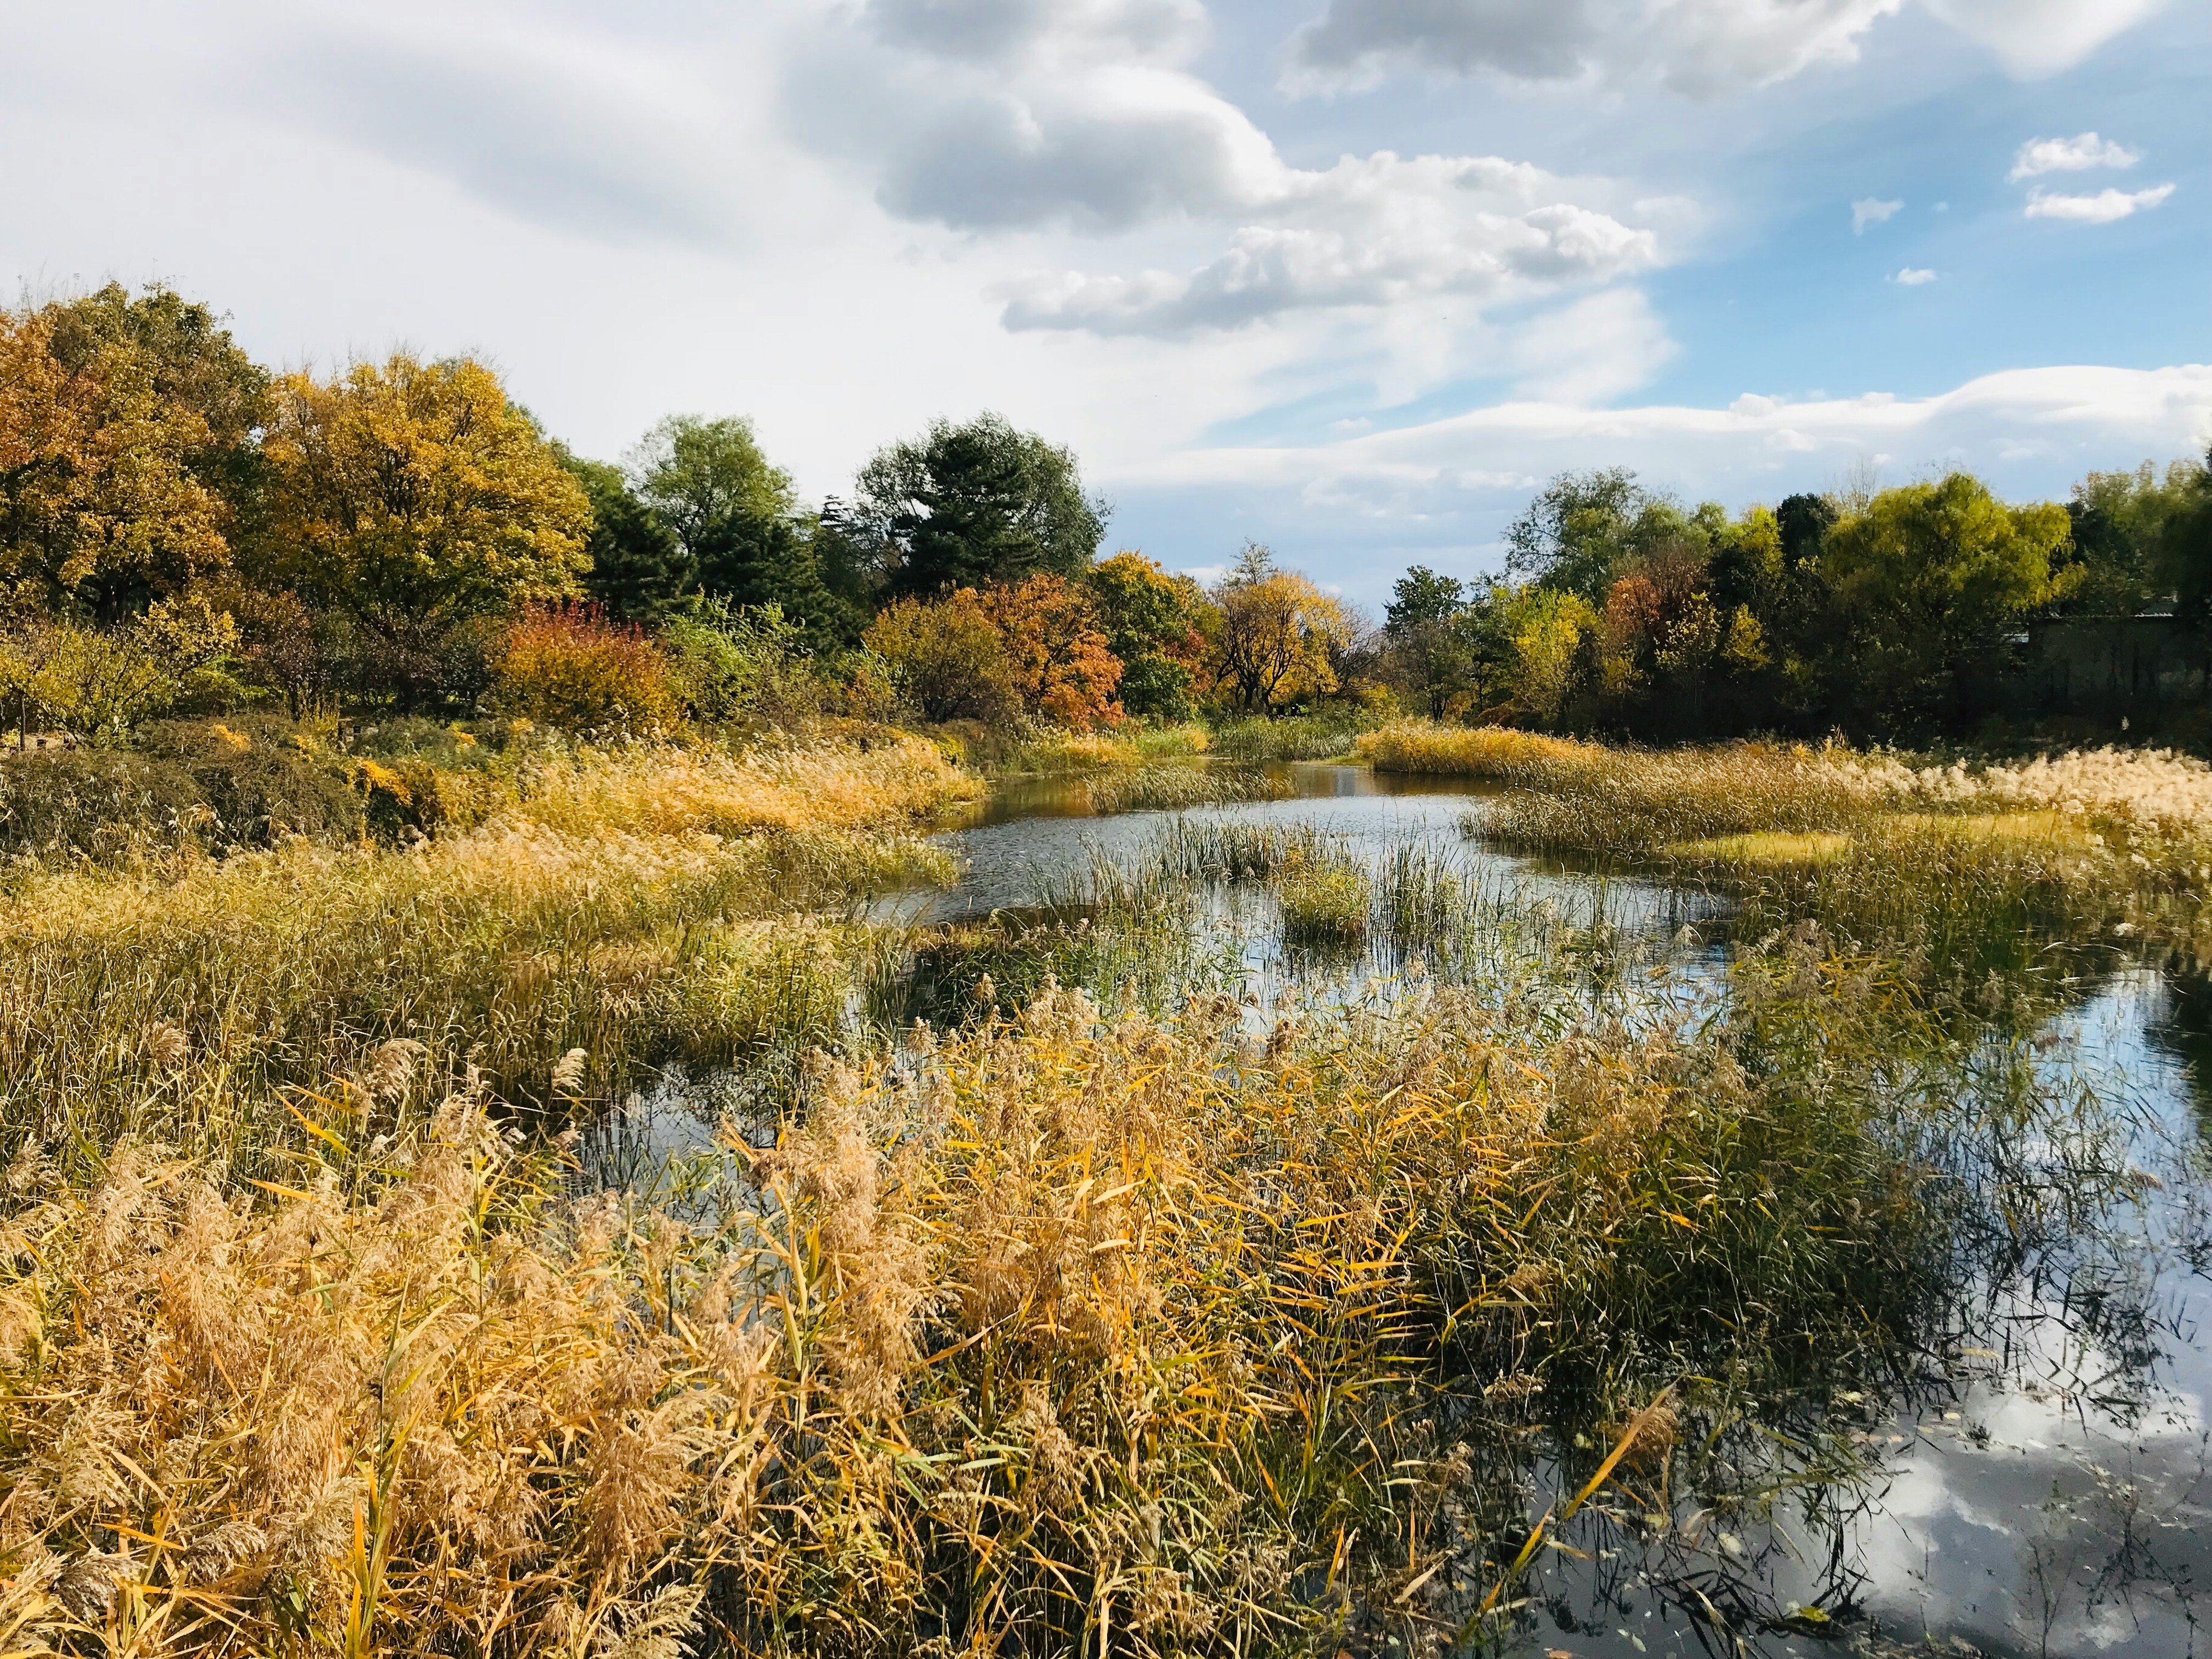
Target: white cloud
<point>1913,277</point>
<point>2079,153</point>
<point>1870,210</point>
<point>1704,48</point>
<point>1372,231</point>
<point>2102,209</point>
<point>995,31</point>
<point>2100,415</point>
<point>2034,38</point>
<point>1592,351</point>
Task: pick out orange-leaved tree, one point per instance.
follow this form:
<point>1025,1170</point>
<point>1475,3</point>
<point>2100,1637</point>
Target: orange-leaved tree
<point>1032,648</point>
<point>1062,668</point>
<point>119,420</point>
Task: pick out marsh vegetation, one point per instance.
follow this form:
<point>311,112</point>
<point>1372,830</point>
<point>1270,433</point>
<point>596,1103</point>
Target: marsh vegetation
<point>1275,1234</point>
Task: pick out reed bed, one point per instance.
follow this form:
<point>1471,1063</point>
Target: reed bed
<point>1293,737</point>
<point>1067,1331</point>
<point>1049,750</point>
<point>1961,865</point>
<point>892,782</point>
<point>1177,787</point>
<point>1327,898</point>
<point>187,1008</point>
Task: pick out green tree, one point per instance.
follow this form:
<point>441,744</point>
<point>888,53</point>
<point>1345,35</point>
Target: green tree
<point>1584,529</point>
<point>640,569</point>
<point>2181,564</point>
<point>1424,624</point>
<point>414,499</point>
<point>2120,523</point>
<point>739,520</point>
<point>977,503</point>
<point>1929,581</point>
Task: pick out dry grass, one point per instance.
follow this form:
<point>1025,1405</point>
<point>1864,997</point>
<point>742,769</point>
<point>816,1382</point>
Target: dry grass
<point>508,946</point>
<point>1944,859</point>
<point>1068,1332</point>
<point>891,784</point>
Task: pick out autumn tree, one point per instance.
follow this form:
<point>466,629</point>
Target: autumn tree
<point>125,430</point>
<point>1277,634</point>
<point>946,657</point>
<point>415,498</point>
<point>1153,623</point>
<point>1062,668</point>
<point>975,503</point>
<point>1029,648</point>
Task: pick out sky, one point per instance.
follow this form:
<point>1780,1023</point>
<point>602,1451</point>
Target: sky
<point>1351,278</point>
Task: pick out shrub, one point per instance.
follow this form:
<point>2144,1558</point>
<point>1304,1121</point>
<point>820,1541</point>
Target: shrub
<point>1031,649</point>
<point>569,666</point>
<point>729,664</point>
<point>946,657</point>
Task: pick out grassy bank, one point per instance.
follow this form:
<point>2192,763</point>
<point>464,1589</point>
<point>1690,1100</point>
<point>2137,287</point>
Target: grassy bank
<point>1960,862</point>
<point>621,910</point>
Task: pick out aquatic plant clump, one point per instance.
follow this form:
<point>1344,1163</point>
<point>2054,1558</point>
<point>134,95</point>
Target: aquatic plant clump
<point>1327,898</point>
<point>1060,1330</point>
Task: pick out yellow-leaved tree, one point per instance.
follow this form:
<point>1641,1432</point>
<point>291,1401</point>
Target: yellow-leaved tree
<point>414,499</point>
<point>123,425</point>
<point>1277,634</point>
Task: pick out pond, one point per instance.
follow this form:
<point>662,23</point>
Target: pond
<point>2035,1481</point>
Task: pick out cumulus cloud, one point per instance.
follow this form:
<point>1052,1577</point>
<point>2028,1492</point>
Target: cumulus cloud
<point>1102,152</point>
<point>1870,210</point>
<point>1356,42</point>
<point>1701,47</point>
<point>2102,209</point>
<point>1371,231</point>
<point>2080,154</point>
<point>1912,277</point>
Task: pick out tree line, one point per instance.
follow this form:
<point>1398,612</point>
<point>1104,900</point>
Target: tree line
<point>1892,612</point>
<point>178,523</point>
